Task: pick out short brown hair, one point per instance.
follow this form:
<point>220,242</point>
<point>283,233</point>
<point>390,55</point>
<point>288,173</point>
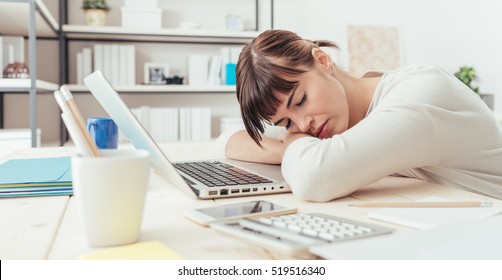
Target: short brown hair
<point>271,64</point>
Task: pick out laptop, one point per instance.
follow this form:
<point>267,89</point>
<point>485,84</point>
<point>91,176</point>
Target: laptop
<point>206,179</point>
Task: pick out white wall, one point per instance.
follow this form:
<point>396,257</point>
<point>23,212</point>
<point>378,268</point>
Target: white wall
<point>445,33</point>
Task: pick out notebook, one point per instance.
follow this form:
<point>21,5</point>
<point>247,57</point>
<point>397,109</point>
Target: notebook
<point>267,178</point>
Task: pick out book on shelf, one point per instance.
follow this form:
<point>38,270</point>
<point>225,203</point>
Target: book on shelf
<point>195,124</point>
<point>214,76</point>
<point>107,62</point>
<point>174,124</point>
<point>212,70</point>
<point>115,65</point>
<point>122,71</point>
<point>36,177</point>
<point>84,64</point>
<point>87,61</point>
<point>80,68</point>
<point>198,69</point>
<point>98,57</point>
<point>131,65</point>
<point>229,57</point>
<point>117,62</point>
<point>2,66</point>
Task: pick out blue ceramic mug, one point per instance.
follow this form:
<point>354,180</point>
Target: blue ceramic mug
<point>104,132</point>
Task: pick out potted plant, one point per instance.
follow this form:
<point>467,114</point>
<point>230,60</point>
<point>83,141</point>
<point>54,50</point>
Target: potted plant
<point>469,77</point>
<point>95,11</point>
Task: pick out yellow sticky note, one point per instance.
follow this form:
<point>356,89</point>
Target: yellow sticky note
<point>149,250</point>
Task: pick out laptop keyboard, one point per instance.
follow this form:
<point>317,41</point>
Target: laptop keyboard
<point>219,174</point>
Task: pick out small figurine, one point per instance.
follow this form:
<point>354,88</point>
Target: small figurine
<point>16,70</point>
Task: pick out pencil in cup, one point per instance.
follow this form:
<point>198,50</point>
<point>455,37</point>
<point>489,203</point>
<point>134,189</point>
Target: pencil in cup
<point>72,105</point>
<point>78,132</point>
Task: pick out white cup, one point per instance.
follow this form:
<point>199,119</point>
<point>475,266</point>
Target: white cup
<point>110,191</point>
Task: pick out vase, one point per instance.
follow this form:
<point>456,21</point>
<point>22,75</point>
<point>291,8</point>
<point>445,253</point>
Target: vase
<point>95,17</point>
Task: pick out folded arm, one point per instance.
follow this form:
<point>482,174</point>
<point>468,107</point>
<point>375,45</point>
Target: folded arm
<point>241,146</point>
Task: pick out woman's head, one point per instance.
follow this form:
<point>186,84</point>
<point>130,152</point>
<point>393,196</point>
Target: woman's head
<point>268,69</point>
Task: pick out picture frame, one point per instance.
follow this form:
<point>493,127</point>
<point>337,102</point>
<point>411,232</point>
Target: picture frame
<point>155,73</point>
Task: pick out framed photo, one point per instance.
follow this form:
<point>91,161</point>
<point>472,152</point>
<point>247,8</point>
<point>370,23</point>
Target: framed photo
<point>155,73</point>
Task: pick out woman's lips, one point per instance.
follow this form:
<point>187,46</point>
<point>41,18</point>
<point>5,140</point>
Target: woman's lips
<point>324,131</point>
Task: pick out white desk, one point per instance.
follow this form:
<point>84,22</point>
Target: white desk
<point>49,227</point>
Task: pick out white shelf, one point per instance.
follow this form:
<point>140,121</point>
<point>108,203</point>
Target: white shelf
<point>161,35</point>
<point>24,85</point>
<point>162,89</point>
<point>14,18</point>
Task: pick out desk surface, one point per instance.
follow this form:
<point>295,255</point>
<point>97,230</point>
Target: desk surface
<point>49,227</point>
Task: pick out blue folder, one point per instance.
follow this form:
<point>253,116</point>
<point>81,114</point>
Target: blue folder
<point>36,177</point>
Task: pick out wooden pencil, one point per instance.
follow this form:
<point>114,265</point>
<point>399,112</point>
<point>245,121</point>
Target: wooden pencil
<point>425,204</point>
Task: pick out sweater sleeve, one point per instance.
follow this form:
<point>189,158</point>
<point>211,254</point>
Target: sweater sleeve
<point>387,141</point>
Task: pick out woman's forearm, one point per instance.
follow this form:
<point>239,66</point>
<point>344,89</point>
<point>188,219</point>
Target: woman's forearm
<point>241,147</point>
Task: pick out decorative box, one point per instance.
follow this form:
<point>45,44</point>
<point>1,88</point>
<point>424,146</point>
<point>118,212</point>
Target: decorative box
<point>142,18</point>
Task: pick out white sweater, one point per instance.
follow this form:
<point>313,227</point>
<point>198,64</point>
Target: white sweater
<point>422,123</point>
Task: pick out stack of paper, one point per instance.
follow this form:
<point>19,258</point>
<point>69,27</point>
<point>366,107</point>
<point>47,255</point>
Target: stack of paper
<point>36,177</point>
<point>428,218</point>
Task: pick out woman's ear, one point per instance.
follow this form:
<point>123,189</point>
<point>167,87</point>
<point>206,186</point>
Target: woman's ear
<point>322,58</point>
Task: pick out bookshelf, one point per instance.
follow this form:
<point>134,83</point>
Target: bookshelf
<point>32,19</point>
<point>164,35</point>
<point>29,18</point>
<point>76,34</point>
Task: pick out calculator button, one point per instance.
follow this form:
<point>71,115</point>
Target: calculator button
<point>327,236</point>
<point>365,229</point>
<point>309,232</point>
<point>266,221</point>
<point>347,232</point>
<point>295,228</point>
<point>280,224</point>
<point>337,234</point>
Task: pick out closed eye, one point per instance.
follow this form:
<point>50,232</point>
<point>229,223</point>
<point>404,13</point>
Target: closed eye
<point>288,124</point>
<point>304,98</point>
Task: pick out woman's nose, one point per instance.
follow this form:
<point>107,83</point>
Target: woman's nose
<point>304,124</point>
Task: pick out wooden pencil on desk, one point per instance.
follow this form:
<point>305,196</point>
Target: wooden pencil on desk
<point>419,204</point>
<point>79,120</point>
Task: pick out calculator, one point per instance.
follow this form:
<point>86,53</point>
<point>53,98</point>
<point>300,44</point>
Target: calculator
<point>293,234</point>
